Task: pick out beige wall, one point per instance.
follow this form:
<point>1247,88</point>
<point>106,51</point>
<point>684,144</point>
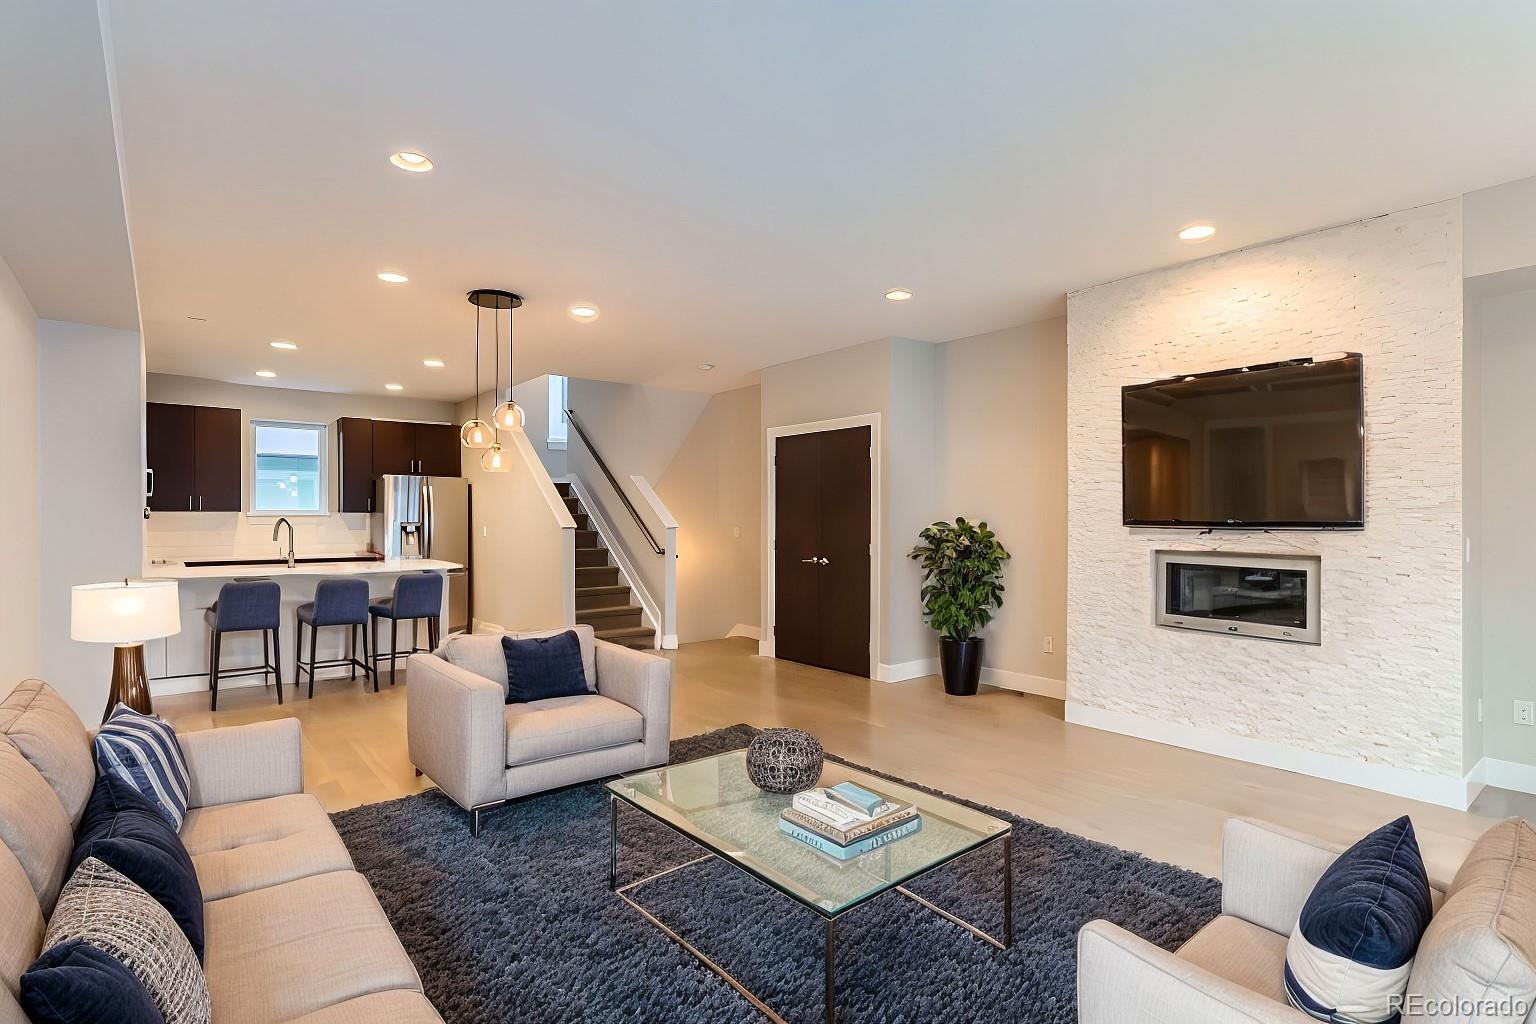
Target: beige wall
<point>92,492</point>
<point>712,489</point>
<point>523,540</point>
<point>1505,554</point>
<point>1005,461</point>
<point>175,535</point>
<point>1500,228</point>
<point>19,650</point>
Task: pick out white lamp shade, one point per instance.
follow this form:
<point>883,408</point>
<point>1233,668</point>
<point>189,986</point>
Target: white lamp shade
<point>124,613</point>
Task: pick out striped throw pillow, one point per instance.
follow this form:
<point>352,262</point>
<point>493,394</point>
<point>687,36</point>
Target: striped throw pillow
<point>142,751</point>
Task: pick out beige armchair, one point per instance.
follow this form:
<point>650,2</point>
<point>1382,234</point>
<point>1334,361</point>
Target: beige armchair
<point>482,751</point>
<point>1233,970</point>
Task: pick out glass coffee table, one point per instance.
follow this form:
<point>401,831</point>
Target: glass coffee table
<point>714,804</point>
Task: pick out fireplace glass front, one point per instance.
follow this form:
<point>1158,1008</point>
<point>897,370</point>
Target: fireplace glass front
<point>1264,596</point>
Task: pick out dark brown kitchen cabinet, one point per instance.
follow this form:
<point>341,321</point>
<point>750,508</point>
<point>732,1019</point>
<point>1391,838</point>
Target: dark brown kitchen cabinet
<point>394,447</point>
<point>438,449</point>
<point>168,444</point>
<point>368,449</point>
<point>194,457</point>
<point>354,463</point>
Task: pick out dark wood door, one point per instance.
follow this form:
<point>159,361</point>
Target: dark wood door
<point>354,464</point>
<point>438,449</point>
<point>394,447</point>
<point>821,549</point>
<point>168,432</point>
<point>216,459</point>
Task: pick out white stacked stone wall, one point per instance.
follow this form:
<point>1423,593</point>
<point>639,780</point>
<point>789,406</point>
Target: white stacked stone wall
<point>1384,688</point>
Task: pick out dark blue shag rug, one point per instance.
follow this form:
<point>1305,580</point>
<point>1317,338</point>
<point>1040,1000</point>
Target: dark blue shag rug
<point>519,924</point>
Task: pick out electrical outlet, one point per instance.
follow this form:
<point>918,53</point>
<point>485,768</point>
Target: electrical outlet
<point>1047,646</point>
<point>1525,712</point>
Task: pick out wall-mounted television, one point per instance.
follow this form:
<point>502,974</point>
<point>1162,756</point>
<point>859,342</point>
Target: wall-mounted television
<point>1271,446</point>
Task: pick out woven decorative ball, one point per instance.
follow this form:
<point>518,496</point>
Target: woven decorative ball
<point>784,760</point>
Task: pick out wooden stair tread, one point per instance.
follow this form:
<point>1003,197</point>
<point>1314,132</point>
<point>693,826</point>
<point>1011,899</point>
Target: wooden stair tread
<point>606,588</point>
<point>613,609</point>
<point>625,632</point>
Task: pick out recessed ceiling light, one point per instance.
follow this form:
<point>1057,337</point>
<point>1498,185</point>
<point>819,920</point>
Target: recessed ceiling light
<point>394,387</point>
<point>1196,232</point>
<point>436,364</point>
<point>408,161</point>
<point>265,373</point>
<point>393,278</point>
<point>706,366</point>
<point>584,311</point>
<point>899,294</point>
<point>286,346</point>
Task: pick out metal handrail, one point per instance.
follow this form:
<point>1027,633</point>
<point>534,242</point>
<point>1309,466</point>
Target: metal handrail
<point>571,416</point>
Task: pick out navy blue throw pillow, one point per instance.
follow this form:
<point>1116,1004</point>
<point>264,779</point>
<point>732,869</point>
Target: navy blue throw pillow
<point>126,831</point>
<point>76,983</point>
<point>1350,954</point>
<point>542,667</point>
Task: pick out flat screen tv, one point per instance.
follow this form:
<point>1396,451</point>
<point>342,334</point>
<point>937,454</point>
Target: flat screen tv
<point>1273,446</point>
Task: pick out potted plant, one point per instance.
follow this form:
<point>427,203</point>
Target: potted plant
<point>962,587</point>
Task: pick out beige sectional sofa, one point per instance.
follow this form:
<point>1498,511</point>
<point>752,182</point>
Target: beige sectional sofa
<point>482,751</point>
<point>292,932</point>
<point>1473,964</point>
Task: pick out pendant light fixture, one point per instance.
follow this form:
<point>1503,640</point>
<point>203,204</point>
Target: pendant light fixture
<point>476,433</point>
<point>508,415</point>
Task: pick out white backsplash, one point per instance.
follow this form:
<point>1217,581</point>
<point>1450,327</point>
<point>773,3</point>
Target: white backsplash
<point>178,536</point>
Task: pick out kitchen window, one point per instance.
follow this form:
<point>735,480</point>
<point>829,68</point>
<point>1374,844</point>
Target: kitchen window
<point>288,473</point>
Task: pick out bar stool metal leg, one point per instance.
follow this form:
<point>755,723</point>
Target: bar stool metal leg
<point>394,647</point>
<point>351,652</point>
<point>266,659</point>
<point>298,645</point>
<point>213,673</point>
<point>277,665</point>
<point>314,634</point>
<point>370,667</point>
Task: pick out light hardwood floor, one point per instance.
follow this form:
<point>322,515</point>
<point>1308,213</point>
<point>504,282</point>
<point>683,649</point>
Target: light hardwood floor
<point>1006,749</point>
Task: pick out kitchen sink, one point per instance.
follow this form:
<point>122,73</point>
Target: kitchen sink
<point>207,562</point>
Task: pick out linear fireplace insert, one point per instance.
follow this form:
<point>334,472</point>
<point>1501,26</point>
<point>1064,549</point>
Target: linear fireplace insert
<point>1275,597</point>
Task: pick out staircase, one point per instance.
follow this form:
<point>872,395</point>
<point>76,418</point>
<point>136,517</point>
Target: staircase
<point>603,599</point>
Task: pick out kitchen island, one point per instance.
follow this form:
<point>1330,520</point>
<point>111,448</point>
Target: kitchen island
<point>179,664</point>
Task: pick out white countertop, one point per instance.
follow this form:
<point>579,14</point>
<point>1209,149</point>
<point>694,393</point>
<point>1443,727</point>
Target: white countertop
<point>181,571</point>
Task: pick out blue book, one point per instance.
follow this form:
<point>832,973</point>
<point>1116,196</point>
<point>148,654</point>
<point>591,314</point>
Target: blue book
<point>863,846</point>
<point>857,797</point>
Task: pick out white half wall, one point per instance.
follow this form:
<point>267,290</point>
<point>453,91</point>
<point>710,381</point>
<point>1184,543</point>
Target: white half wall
<point>1383,692</point>
<point>92,491</point>
<point>523,540</point>
<point>20,656</point>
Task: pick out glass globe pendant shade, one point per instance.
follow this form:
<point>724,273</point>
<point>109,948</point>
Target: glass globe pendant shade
<point>495,459</point>
<point>476,433</point>
<point>509,416</point>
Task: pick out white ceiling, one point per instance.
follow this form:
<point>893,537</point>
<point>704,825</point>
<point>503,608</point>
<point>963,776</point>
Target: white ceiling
<point>62,227</point>
<point>740,183</point>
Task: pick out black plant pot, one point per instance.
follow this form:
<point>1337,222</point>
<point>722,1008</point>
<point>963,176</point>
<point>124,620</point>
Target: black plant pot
<point>960,661</point>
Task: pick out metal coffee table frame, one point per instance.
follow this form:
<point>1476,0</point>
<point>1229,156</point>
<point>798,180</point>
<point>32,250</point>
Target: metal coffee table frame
<point>830,918</point>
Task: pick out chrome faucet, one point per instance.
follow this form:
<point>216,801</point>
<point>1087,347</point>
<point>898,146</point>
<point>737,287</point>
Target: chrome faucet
<point>278,526</point>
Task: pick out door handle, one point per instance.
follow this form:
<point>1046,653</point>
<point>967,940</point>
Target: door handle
<point>151,492</point>
<point>189,503</point>
<point>809,561</point>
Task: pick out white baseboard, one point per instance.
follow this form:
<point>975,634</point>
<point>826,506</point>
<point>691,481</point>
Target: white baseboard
<point>765,648</point>
<point>742,629</point>
<point>669,642</point>
<point>1447,791</point>
<point>902,671</point>
<point>1024,682</point>
<point>1491,771</point>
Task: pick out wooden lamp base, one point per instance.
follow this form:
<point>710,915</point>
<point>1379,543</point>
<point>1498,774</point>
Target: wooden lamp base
<point>130,683</point>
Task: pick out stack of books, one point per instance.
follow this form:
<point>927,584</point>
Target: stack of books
<point>847,820</point>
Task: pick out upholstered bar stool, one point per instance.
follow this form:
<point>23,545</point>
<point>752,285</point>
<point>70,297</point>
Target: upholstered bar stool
<point>417,596</point>
<point>338,602</point>
<point>245,606</point>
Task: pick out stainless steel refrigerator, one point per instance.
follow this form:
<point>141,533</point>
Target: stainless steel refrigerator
<point>428,517</point>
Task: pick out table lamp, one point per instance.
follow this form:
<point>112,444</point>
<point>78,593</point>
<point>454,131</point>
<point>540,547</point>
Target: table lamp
<point>125,614</point>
